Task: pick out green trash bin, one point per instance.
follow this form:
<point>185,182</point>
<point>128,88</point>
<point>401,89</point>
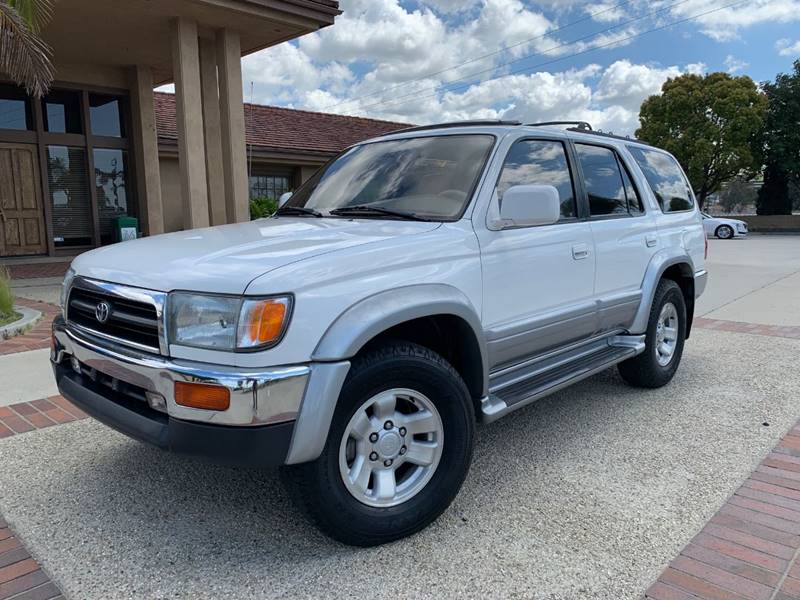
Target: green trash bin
<point>126,228</point>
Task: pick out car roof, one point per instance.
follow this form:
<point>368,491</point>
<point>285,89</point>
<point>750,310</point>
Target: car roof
<point>502,128</point>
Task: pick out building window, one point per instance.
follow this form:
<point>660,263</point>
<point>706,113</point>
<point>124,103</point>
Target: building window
<point>105,115</point>
<point>110,176</point>
<point>68,180</point>
<point>15,109</point>
<point>62,112</point>
<point>269,186</point>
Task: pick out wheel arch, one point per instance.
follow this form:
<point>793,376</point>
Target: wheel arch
<point>437,316</point>
<point>677,267</point>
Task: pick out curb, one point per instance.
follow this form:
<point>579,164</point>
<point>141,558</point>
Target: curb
<point>29,318</point>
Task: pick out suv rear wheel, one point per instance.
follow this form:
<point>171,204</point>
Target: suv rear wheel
<point>666,332</point>
<point>398,449</point>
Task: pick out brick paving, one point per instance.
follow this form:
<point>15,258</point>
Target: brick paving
<point>38,336</point>
<point>36,270</point>
<point>21,577</point>
<point>749,549</point>
<point>786,331</point>
<point>38,414</point>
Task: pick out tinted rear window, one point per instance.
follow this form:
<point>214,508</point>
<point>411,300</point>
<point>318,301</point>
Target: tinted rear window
<point>665,178</point>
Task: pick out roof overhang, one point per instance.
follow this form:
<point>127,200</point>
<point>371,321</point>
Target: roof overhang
<point>120,34</point>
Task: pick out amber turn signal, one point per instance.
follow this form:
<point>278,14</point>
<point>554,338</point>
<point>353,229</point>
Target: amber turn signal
<point>202,395</point>
<point>262,322</point>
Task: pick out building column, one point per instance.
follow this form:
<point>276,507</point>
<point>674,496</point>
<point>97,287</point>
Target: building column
<point>217,209</point>
<point>231,101</point>
<point>189,109</point>
<point>145,137</point>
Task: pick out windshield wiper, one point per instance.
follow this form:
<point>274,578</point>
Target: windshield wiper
<point>298,210</point>
<point>365,209</point>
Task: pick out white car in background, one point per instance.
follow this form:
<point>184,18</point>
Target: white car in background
<point>724,229</point>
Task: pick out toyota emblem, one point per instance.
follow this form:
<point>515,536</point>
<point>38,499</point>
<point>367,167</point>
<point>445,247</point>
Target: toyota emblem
<point>102,311</point>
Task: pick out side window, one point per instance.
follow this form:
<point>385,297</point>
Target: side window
<point>539,162</point>
<point>665,179</point>
<point>603,180</point>
<point>635,206</point>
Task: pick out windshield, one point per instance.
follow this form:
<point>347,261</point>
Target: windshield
<point>429,178</point>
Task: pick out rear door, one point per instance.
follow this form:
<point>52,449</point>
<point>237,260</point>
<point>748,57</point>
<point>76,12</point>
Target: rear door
<point>538,281</point>
<point>625,234</point>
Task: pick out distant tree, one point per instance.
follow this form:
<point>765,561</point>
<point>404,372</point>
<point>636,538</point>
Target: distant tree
<point>735,196</point>
<point>779,144</point>
<point>709,124</point>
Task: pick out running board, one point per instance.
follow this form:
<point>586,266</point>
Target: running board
<point>520,387</point>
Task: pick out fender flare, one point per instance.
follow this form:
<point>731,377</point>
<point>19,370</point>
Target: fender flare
<point>660,262</point>
<point>367,318</point>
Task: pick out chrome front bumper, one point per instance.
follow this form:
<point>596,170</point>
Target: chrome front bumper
<point>258,397</point>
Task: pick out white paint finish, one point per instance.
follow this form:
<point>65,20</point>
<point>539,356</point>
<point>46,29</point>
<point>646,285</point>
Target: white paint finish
<point>622,253</point>
<point>26,376</point>
<point>225,259</point>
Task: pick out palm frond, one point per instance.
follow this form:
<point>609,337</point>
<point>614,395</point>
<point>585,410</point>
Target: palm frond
<point>35,13</point>
<point>24,56</point>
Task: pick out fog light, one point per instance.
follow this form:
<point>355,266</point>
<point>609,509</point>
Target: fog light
<point>156,401</point>
<point>202,395</point>
<point>76,365</point>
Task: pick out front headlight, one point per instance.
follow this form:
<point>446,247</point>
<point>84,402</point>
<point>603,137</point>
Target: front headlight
<point>62,301</point>
<point>227,322</point>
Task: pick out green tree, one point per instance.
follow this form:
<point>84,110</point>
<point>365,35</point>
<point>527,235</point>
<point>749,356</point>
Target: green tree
<point>779,144</point>
<point>709,124</point>
<point>24,55</point>
<point>736,195</point>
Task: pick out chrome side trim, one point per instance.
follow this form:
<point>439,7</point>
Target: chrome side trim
<point>258,397</point>
<point>700,281</point>
<point>157,299</point>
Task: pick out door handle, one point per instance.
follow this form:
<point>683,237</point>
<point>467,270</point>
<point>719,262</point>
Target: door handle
<point>650,239</point>
<point>580,251</point>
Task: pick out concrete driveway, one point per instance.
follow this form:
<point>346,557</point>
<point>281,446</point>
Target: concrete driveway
<point>587,494</point>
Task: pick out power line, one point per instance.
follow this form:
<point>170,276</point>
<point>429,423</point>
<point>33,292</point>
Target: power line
<point>478,58</point>
<point>548,50</point>
<point>566,57</point>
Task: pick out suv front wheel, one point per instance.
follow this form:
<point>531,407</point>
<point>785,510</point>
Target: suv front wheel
<point>666,332</point>
<point>398,449</point>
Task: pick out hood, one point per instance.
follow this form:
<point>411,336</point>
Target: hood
<point>225,259</point>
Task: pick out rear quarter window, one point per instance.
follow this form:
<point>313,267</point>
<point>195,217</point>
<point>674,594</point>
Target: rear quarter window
<point>665,178</point>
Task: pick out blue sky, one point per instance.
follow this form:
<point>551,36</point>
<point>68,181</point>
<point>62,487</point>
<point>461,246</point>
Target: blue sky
<point>395,59</point>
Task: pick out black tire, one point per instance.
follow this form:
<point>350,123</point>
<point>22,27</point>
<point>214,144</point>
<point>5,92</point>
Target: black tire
<point>644,370</point>
<point>724,232</point>
<point>319,484</point>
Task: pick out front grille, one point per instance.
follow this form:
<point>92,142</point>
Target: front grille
<point>128,320</point>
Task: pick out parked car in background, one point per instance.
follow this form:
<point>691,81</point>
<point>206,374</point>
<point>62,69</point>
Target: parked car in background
<point>724,229</point>
<point>418,283</point>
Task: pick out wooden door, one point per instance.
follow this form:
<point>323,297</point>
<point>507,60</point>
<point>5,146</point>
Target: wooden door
<point>22,229</point>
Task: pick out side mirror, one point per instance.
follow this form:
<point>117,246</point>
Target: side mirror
<point>527,205</point>
<point>284,198</point>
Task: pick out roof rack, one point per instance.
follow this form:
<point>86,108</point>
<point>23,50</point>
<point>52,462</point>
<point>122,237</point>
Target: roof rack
<point>475,123</point>
<point>579,125</point>
<point>608,135</point>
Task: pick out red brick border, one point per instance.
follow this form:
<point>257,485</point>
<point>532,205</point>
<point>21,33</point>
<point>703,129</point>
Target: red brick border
<point>38,269</point>
<point>21,577</point>
<point>786,331</point>
<point>749,549</point>
<point>38,336</point>
<point>27,416</point>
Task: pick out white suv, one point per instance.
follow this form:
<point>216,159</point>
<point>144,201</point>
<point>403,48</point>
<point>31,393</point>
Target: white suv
<point>416,284</point>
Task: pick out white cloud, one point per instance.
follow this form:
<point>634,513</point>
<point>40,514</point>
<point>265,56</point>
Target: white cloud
<point>626,84</point>
<point>725,24</point>
<point>733,64</point>
<point>786,47</point>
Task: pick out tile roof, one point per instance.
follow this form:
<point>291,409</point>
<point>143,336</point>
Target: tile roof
<point>276,128</point>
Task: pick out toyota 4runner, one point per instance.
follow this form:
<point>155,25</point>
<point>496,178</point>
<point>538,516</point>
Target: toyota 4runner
<point>416,284</point>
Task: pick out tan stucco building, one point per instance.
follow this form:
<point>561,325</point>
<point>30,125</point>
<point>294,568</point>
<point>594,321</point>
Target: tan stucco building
<point>88,153</point>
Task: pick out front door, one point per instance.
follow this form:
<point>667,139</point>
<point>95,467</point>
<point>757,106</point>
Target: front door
<point>538,281</point>
<point>21,218</point>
